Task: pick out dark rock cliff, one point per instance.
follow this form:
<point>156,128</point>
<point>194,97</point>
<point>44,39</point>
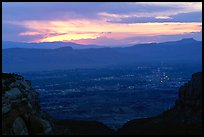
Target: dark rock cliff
<point>190,94</point>
<point>21,113</point>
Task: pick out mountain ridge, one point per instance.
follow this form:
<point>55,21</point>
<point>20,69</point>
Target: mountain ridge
<point>24,60</point>
<point>58,44</point>
<point>45,45</point>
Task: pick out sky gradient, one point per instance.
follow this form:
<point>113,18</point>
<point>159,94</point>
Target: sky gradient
<point>101,23</point>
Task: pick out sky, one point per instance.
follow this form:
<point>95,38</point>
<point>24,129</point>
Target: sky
<point>101,23</point>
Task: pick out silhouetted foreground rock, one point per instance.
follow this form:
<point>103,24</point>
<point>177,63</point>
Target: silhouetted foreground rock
<point>21,113</point>
<point>184,118</point>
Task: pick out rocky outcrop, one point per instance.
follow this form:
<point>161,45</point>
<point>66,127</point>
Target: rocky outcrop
<point>190,94</point>
<point>21,113</point>
<point>184,118</point>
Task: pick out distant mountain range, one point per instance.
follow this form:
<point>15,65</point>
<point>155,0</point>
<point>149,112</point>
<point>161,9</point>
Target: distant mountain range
<point>30,59</point>
<point>46,45</point>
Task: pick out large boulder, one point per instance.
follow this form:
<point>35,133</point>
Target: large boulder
<point>6,108</point>
<point>13,93</point>
<point>19,127</point>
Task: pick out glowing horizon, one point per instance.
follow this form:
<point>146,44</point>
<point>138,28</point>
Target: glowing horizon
<point>103,26</point>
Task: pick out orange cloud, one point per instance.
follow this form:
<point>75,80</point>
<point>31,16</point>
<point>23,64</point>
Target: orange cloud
<point>90,29</point>
<point>69,37</point>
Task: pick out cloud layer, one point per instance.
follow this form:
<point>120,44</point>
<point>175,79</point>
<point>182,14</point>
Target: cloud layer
<point>100,23</point>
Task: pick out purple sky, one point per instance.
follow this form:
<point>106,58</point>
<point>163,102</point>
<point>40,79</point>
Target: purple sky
<point>101,23</point>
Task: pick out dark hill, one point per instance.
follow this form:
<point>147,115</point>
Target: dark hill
<point>22,60</point>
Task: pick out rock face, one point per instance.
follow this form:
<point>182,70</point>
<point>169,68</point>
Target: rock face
<point>21,113</point>
<point>189,103</point>
<point>184,118</point>
<point>190,94</point>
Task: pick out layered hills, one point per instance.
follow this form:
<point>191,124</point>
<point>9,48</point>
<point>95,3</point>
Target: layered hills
<point>30,59</point>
